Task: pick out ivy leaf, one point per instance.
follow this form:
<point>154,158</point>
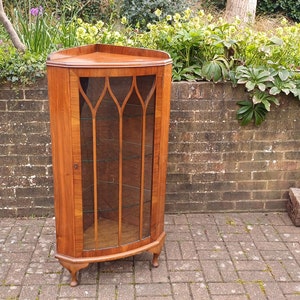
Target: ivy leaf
<point>259,118</point>
<point>248,117</point>
<point>245,106</point>
<point>265,99</point>
<point>242,81</point>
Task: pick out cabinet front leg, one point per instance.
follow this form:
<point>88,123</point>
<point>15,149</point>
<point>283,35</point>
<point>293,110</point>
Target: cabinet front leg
<point>155,262</point>
<point>73,268</point>
<point>157,250</point>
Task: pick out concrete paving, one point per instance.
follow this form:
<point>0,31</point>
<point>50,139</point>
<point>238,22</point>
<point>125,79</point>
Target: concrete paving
<point>206,256</point>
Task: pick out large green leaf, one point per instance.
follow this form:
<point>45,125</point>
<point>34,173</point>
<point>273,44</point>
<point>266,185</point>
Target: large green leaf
<point>212,71</point>
<point>249,111</point>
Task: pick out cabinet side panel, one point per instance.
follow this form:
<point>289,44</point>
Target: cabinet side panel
<point>161,136</point>
<point>60,122</point>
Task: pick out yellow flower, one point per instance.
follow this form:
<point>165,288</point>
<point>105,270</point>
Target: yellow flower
<point>201,13</point>
<point>150,26</point>
<point>124,21</point>
<point>187,13</point>
<point>80,31</point>
<point>93,30</point>
<point>176,17</point>
<point>284,21</point>
<point>158,12</point>
<point>117,34</point>
<point>100,24</point>
<point>168,17</point>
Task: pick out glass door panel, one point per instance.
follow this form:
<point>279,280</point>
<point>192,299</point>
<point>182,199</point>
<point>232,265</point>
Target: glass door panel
<point>116,128</point>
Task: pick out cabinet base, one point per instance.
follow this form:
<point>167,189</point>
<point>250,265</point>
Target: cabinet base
<point>73,265</point>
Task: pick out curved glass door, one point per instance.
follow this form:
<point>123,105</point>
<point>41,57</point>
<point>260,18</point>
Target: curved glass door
<point>116,133</point>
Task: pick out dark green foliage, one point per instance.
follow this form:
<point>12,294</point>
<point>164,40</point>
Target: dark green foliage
<point>251,112</point>
<point>288,8</point>
<point>219,4</point>
<point>97,10</point>
<point>141,12</point>
<point>20,67</point>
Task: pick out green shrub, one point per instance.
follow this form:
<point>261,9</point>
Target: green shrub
<point>202,48</point>
<point>219,4</point>
<point>96,10</point>
<point>103,33</point>
<point>289,8</point>
<point>141,12</point>
<point>266,63</point>
<point>19,67</point>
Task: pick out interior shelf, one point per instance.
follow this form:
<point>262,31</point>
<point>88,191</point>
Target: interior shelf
<point>108,234</point>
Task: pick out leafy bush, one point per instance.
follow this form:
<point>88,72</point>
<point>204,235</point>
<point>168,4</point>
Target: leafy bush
<point>202,48</point>
<point>141,12</point>
<point>100,32</point>
<point>104,10</point>
<point>289,8</point>
<point>20,67</point>
<point>219,4</point>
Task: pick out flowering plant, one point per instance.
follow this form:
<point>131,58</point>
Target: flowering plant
<point>42,32</point>
<point>35,29</point>
<point>100,32</point>
<point>36,11</point>
<point>203,48</point>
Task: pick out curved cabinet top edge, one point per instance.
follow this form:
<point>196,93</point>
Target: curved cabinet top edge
<point>108,56</point>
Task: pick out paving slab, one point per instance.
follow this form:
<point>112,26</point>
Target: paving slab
<point>205,257</point>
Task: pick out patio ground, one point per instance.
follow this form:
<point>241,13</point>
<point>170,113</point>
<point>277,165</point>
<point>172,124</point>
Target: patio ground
<point>206,256</point>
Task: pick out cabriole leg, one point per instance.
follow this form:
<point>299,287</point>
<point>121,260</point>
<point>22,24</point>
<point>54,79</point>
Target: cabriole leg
<point>73,268</point>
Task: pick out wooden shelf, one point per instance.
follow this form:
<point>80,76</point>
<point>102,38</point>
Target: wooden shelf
<point>108,235</point>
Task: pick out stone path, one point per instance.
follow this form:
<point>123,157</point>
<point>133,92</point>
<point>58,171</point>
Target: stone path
<point>206,256</point>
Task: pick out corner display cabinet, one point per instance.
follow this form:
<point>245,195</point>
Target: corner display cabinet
<point>109,114</point>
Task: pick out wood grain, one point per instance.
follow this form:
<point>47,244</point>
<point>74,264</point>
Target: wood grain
<point>109,109</point>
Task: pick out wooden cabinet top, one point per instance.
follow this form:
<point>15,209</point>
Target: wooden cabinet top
<point>108,56</point>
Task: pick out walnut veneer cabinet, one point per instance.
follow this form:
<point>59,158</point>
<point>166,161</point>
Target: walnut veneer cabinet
<point>109,114</point>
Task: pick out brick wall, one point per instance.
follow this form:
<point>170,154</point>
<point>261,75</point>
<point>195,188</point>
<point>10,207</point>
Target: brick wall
<point>217,165</point>
<point>26,186</point>
<point>214,164</point>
